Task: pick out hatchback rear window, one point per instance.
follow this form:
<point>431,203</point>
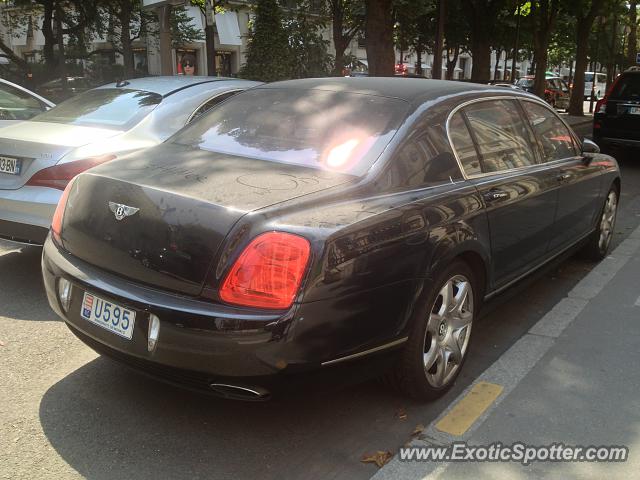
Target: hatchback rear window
<point>113,108</point>
<point>627,88</point>
<point>322,129</point>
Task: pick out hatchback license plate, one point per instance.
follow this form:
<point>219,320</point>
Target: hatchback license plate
<point>112,317</point>
<point>10,165</point>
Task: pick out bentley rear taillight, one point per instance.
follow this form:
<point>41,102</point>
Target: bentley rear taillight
<point>268,273</point>
<point>60,175</point>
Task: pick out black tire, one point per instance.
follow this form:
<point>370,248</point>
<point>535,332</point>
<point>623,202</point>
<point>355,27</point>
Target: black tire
<point>597,248</point>
<point>409,375</point>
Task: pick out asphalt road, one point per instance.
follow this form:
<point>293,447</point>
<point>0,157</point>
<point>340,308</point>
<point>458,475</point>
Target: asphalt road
<point>67,413</point>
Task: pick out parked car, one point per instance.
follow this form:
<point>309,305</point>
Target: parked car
<point>616,120</point>
<point>75,85</point>
<point>600,85</point>
<point>18,103</point>
<point>556,90</point>
<point>40,156</point>
<point>309,224</point>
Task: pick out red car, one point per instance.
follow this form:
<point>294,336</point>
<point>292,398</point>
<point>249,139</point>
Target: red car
<point>556,90</point>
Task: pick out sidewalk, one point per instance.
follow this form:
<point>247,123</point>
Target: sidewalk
<point>574,379</point>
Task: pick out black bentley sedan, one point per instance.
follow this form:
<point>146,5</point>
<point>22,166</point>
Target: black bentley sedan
<point>309,224</point>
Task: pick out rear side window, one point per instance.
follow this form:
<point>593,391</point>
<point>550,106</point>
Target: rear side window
<point>555,138</point>
<point>208,105</point>
<point>16,104</point>
<point>501,135</point>
<point>463,145</point>
<point>627,88</point>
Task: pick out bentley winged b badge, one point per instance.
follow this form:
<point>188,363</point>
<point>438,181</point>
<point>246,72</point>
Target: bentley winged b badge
<point>121,211</point>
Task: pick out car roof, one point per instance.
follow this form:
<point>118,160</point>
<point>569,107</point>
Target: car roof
<point>165,85</point>
<point>412,90</point>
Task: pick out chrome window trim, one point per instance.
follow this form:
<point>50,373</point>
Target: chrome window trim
<point>501,172</point>
<point>234,91</point>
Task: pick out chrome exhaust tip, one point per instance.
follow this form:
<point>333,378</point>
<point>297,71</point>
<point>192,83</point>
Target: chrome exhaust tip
<point>240,392</point>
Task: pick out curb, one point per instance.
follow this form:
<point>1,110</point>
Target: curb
<point>508,370</point>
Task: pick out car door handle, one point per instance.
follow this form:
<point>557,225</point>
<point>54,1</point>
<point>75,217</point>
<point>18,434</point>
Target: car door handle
<point>495,194</point>
<point>563,177</point>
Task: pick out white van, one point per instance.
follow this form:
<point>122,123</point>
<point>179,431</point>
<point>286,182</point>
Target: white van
<point>601,84</point>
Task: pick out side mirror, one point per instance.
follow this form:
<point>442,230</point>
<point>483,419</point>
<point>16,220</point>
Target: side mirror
<point>589,146</point>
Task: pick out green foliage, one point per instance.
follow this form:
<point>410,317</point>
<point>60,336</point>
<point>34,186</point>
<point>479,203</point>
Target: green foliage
<point>285,47</point>
<point>183,31</point>
<point>268,56</point>
<point>307,46</point>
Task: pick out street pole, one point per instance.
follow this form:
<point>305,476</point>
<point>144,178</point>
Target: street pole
<point>515,46</point>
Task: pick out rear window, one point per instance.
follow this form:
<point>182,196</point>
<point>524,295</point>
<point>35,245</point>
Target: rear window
<point>321,129</point>
<point>113,108</point>
<point>627,88</point>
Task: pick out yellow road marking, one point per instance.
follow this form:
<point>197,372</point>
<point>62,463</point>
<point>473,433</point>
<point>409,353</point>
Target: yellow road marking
<point>467,410</point>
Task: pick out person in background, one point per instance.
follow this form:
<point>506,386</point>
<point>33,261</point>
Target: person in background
<point>188,64</point>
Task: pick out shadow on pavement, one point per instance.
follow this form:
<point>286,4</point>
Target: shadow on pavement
<point>22,296</point>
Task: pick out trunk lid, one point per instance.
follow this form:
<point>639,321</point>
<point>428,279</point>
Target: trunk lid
<point>188,200</point>
<point>39,145</point>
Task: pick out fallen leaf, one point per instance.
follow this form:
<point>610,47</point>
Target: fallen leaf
<point>402,414</point>
<point>418,430</point>
<point>380,458</point>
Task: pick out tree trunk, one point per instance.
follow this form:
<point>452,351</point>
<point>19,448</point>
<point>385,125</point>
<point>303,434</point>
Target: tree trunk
<point>125,38</point>
<point>62,61</point>
<point>419,62</point>
<point>584,24</point>
<point>632,47</point>
<point>49,37</point>
<point>577,95</point>
<point>543,15</point>
<point>497,64</point>
<point>379,38</point>
<point>209,37</point>
<point>452,62</point>
<point>436,71</point>
<point>504,66</point>
<point>481,37</point>
<point>481,55</point>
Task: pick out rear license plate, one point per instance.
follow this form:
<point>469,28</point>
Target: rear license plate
<point>634,110</point>
<point>10,165</point>
<point>112,317</point>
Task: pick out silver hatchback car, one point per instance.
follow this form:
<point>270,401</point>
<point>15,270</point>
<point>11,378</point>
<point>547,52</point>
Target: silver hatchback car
<point>40,156</point>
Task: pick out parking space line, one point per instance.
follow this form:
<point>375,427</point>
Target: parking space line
<point>469,408</point>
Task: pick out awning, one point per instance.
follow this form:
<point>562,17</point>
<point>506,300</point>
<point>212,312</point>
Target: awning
<point>228,28</point>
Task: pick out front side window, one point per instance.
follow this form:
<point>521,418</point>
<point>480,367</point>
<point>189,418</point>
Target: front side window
<point>555,138</point>
<point>115,108</point>
<point>16,104</point>
<point>322,129</point>
<point>501,135</point>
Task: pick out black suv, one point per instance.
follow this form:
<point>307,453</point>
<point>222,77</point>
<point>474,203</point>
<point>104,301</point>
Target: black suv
<point>617,116</point>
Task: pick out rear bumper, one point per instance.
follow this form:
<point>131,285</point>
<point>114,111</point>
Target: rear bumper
<point>26,213</point>
<point>200,343</point>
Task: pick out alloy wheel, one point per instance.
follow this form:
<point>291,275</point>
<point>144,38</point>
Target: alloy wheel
<point>448,331</point>
<point>608,220</point>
